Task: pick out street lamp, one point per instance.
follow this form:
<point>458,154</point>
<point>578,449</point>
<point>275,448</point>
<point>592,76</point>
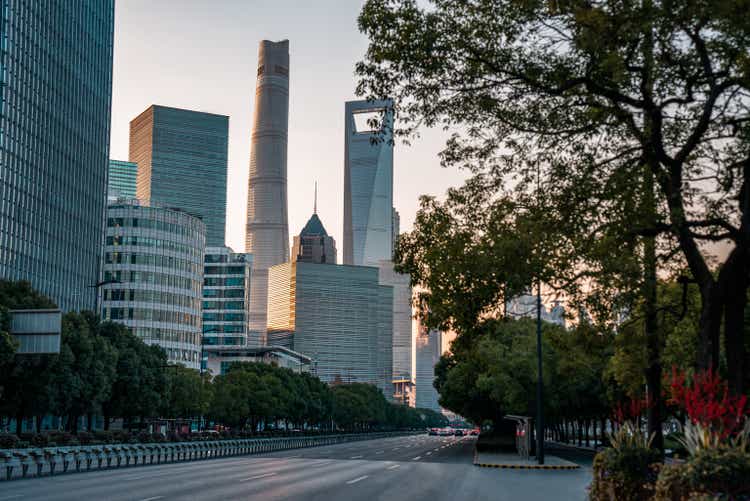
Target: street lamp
<point>539,381</point>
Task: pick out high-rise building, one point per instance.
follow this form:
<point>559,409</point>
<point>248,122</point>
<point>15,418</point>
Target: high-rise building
<point>340,316</point>
<point>226,298</point>
<point>313,245</point>
<point>368,182</point>
<point>267,231</point>
<point>429,349</point>
<point>402,327</point>
<point>153,261</point>
<point>55,100</point>
<point>182,163</point>
<point>121,182</point>
<point>396,226</point>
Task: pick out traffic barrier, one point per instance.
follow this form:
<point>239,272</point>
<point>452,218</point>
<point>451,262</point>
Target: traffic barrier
<point>48,461</point>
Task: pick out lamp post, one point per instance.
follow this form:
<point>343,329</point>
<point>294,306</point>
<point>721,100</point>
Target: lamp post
<point>539,381</point>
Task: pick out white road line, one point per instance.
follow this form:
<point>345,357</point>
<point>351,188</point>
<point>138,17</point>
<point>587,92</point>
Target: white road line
<point>397,448</point>
<point>416,458</point>
<point>379,452</point>
<point>393,467</point>
<point>355,480</point>
<point>14,496</point>
<point>315,465</point>
<point>258,476</point>
<point>436,450</point>
<point>153,498</point>
<point>356,457</point>
<point>430,452</point>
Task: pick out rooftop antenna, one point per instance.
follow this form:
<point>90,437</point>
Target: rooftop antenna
<point>315,203</point>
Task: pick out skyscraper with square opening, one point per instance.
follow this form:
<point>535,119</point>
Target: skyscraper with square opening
<point>368,182</point>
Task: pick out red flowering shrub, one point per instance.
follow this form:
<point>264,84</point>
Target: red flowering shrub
<point>707,402</point>
<point>630,410</point>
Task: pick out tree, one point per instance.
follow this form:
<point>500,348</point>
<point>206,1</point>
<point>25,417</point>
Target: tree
<point>189,393</point>
<point>593,93</point>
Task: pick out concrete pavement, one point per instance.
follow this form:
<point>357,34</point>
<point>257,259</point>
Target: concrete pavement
<point>401,468</point>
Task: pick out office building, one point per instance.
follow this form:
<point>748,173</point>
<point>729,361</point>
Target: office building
<point>395,226</point>
<point>429,349</point>
<point>182,163</point>
<point>339,316</point>
<point>219,361</point>
<point>153,261</point>
<point>226,300</point>
<point>313,245</point>
<point>121,182</point>
<point>525,306</point>
<point>267,230</point>
<point>55,100</point>
<point>368,183</point>
<point>402,330</point>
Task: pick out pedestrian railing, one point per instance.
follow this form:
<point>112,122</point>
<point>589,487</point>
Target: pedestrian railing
<point>23,463</point>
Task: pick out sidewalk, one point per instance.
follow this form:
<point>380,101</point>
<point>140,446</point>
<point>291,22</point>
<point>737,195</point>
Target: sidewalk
<point>514,461</point>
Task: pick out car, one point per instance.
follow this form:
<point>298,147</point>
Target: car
<point>474,432</point>
<point>432,431</point>
<point>459,433</point>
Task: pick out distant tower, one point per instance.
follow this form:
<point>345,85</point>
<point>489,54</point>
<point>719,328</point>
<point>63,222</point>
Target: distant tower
<point>267,231</point>
<point>313,245</point>
<point>368,183</point>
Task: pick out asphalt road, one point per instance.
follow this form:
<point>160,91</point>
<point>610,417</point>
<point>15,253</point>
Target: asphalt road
<point>393,469</point>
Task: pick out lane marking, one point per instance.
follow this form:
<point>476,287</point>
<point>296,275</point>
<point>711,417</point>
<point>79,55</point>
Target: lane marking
<point>153,498</point>
<point>379,452</point>
<point>14,496</point>
<point>428,453</point>
<point>315,465</point>
<point>258,476</point>
<point>360,457</point>
<point>355,480</point>
<point>416,458</point>
<point>393,467</point>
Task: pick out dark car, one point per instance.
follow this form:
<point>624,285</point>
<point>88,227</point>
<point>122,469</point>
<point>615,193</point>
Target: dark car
<point>459,433</point>
<point>432,431</point>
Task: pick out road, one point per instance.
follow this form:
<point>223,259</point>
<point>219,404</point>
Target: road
<point>403,468</point>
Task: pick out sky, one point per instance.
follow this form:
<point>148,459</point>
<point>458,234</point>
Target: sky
<point>202,55</point>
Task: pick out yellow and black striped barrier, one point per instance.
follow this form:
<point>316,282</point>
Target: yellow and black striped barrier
<point>516,466</point>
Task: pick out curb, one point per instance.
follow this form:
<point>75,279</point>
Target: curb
<point>524,466</point>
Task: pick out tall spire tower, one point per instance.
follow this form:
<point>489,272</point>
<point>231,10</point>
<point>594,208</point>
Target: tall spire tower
<point>267,230</point>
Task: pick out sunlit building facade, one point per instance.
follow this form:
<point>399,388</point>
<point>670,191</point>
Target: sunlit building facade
<point>182,163</point>
<point>402,330</point>
<point>368,183</point>
<point>153,263</point>
<point>429,349</point>
<point>267,229</point>
<point>339,316</point>
<point>55,102</point>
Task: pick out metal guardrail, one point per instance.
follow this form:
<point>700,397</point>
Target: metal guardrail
<point>48,461</point>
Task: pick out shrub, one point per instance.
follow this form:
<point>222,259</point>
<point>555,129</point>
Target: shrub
<point>174,437</point>
<point>709,473</point>
<point>23,444</point>
<point>104,437</point>
<point>8,441</point>
<point>39,440</point>
<point>158,437</point>
<point>85,438</point>
<point>61,438</point>
<point>144,437</point>
<point>628,470</point>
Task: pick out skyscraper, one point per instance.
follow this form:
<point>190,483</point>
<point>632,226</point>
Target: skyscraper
<point>402,326</point>
<point>340,316</point>
<point>153,260</point>
<point>429,348</point>
<point>121,182</point>
<point>313,245</point>
<point>182,163</point>
<point>368,183</point>
<point>267,231</point>
<point>55,100</point>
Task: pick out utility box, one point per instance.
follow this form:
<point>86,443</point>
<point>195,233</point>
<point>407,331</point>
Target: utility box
<point>37,331</point>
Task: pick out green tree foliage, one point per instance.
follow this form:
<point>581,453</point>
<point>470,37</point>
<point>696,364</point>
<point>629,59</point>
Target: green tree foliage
<point>589,96</point>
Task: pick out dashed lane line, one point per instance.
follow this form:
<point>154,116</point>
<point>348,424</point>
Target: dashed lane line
<point>358,479</point>
<point>356,457</point>
<point>152,498</point>
<point>393,467</point>
<point>416,458</point>
<point>256,477</point>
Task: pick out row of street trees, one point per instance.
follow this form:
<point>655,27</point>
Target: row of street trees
<point>104,370</point>
<point>609,146</point>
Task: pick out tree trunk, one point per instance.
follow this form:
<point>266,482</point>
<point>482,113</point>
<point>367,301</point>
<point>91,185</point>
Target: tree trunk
<point>73,423</point>
<point>19,424</point>
<point>106,422</point>
<point>38,423</point>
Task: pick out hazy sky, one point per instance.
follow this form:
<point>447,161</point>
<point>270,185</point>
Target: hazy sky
<point>202,55</point>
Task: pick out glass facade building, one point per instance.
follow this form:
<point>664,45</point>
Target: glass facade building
<point>226,298</point>
<point>339,316</point>
<point>182,163</point>
<point>402,327</point>
<point>153,257</point>
<point>429,349</point>
<point>121,182</point>
<point>55,100</point>
<point>368,183</point>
